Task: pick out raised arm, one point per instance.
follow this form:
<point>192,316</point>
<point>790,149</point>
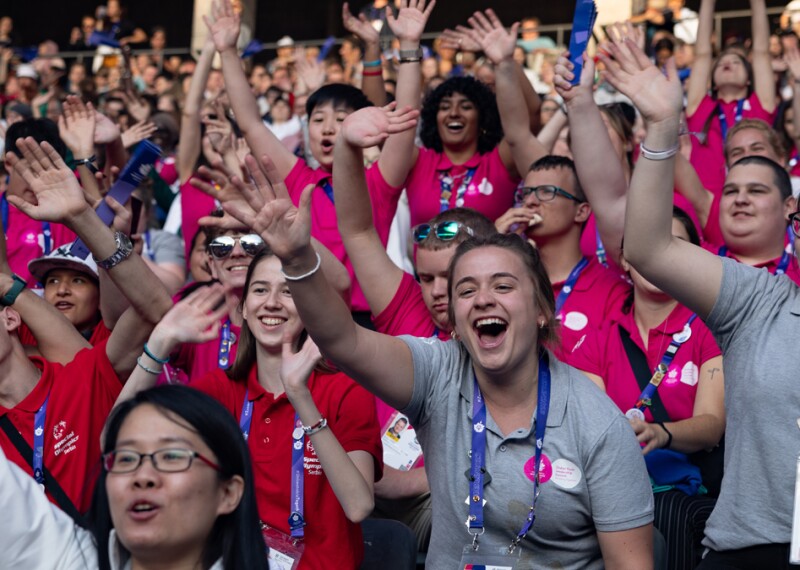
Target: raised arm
<point>594,154</point>
<point>686,272</point>
<point>378,276</point>
<point>76,128</point>
<point>364,355</point>
<point>191,144</point>
<point>550,132</point>
<point>763,76</point>
<point>223,27</point>
<point>703,58</point>
<point>372,77</point>
<point>689,185</point>
<point>399,153</point>
<point>519,143</point>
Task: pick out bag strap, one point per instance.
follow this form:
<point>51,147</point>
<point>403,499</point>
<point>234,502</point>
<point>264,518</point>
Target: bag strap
<point>641,370</point>
<point>61,498</point>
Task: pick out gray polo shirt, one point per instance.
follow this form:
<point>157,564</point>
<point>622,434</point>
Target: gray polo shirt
<point>756,321</point>
<point>597,477</point>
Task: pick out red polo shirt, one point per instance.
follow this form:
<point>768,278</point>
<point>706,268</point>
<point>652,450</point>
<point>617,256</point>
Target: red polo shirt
<point>792,271</point>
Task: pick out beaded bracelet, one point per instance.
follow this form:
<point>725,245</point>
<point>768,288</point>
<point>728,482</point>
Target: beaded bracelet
<point>317,427</point>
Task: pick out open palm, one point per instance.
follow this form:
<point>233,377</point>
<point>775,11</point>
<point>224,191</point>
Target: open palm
<point>411,19</point>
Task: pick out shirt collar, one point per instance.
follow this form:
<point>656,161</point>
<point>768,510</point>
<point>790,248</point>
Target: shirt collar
<point>444,163</point>
<point>674,322</point>
<point>34,400</point>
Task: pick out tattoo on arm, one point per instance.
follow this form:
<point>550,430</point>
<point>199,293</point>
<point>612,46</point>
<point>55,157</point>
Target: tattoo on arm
<point>714,371</point>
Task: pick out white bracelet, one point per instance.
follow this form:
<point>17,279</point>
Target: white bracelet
<point>304,275</point>
<point>147,369</point>
<point>659,154</point>
<point>319,426</point>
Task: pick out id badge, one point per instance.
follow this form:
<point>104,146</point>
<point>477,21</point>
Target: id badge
<point>488,558</point>
<point>401,448</point>
<point>284,551</point>
<point>794,547</point>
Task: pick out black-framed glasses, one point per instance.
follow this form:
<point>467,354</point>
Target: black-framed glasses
<point>544,193</point>
<point>221,247</point>
<point>794,223</point>
<point>445,231</point>
<point>164,460</point>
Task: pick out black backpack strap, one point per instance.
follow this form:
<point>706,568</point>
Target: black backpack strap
<point>52,486</point>
<point>641,370</point>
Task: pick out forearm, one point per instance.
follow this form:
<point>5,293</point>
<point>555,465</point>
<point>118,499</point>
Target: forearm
<point>372,85</point>
<point>56,337</point>
<point>532,100</point>
<point>698,432</point>
<point>549,134</point>
<point>112,302</point>
<point>705,29</point>
<point>190,145</point>
<point>161,346</point>
<point>352,490</point>
<point>763,76</point>
<point>514,115</point>
<point>760,26</point>
<point>171,275</point>
<point>334,270</point>
<point>689,185</point>
<point>396,484</point>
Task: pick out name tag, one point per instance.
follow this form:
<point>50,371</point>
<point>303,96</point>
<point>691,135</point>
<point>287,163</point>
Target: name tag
<point>284,551</point>
<point>401,449</point>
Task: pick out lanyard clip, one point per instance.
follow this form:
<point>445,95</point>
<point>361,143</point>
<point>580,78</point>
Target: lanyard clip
<point>475,534</point>
<point>513,546</point>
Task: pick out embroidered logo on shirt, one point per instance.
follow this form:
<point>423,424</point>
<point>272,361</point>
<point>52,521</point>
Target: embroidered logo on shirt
<point>59,429</point>
<point>66,443</point>
<point>485,187</point>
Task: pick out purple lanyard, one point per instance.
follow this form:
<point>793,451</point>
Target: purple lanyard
<point>224,357</point>
<point>600,252</point>
<point>478,449</point>
<point>148,246</point>
<point>446,185</point>
<point>38,443</point>
<point>646,397</point>
<point>783,264</point>
<point>328,189</point>
<point>723,120</point>
<point>569,285</point>
<point>296,520</point>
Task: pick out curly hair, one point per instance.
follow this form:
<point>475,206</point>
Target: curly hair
<point>490,131</point>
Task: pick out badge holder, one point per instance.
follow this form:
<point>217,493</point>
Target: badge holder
<point>284,551</point>
<point>489,558</point>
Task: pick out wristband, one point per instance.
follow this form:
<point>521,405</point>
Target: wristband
<point>18,287</point>
<point>413,54</point>
<point>669,435</point>
<point>146,369</point>
<point>373,63</point>
<point>153,357</point>
<point>659,154</point>
<point>410,59</point>
<point>304,275</point>
<point>88,163</point>
<point>374,73</point>
<point>317,427</point>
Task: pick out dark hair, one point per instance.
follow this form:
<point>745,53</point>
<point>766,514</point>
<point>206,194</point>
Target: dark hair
<point>337,94</point>
<point>480,225</point>
<point>490,131</point>
<point>40,129</point>
<point>621,118</point>
<point>664,43</point>
<point>779,125</point>
<point>235,537</point>
<point>543,290</point>
<point>554,162</point>
<point>780,178</point>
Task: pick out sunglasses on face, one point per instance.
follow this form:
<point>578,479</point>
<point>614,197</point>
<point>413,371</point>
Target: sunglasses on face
<point>222,246</point>
<point>544,193</point>
<point>445,231</point>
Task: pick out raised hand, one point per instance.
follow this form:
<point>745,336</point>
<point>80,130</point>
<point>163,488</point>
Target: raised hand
<point>359,26</point>
<point>564,74</point>
<point>105,130</point>
<point>76,126</point>
<point>195,319</point>
<point>311,73</point>
<point>137,133</point>
<point>137,107</point>
<point>223,25</point>
<point>371,126</point>
<point>411,19</point>
<point>238,199</point>
<point>658,97</point>
<point>459,39</point>
<point>59,197</point>
<point>487,31</point>
<point>296,367</point>
<point>791,56</point>
<point>515,220</point>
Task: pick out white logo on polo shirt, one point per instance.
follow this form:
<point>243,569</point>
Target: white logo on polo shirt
<point>485,187</point>
<point>59,429</point>
<point>575,321</point>
<point>65,443</point>
<point>690,374</point>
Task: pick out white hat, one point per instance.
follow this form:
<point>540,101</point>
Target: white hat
<point>285,41</point>
<point>60,258</point>
<point>26,70</point>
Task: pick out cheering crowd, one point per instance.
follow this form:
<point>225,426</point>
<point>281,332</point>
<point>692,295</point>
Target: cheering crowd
<point>480,303</point>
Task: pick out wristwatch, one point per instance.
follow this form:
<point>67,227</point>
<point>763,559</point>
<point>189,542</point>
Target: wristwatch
<point>411,55</point>
<point>18,287</point>
<point>124,249</point>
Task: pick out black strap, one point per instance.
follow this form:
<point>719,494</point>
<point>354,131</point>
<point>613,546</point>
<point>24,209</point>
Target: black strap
<point>62,500</point>
<point>643,374</point>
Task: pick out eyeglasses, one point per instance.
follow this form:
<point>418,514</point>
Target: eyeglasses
<point>222,246</point>
<point>794,223</point>
<point>445,231</point>
<point>164,460</point>
<point>544,193</point>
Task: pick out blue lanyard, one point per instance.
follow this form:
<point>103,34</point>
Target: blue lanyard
<point>723,120</point>
<point>646,397</point>
<point>46,230</point>
<point>783,264</point>
<point>328,189</point>
<point>600,252</point>
<point>478,467</point>
<point>149,247</point>
<point>446,185</point>
<point>296,518</point>
<point>569,284</point>
<point>38,443</point>
<point>225,342</point>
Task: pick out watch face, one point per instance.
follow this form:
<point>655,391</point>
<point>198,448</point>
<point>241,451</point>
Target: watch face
<point>124,242</point>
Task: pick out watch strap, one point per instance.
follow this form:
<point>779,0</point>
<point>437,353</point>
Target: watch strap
<point>124,250</point>
<point>18,287</point>
<point>411,53</point>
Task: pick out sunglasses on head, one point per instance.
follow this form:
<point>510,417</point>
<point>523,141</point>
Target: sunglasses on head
<point>445,231</point>
<point>221,247</point>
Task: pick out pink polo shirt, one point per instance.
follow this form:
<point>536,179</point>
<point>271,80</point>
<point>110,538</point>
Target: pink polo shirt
<point>792,271</point>
<point>490,190</point>
<point>323,214</point>
<point>194,205</point>
<point>598,295</point>
<point>25,241</point>
<point>602,353</point>
<point>197,360</point>
<point>709,159</point>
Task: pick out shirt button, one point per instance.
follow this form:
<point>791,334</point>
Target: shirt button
<point>267,420</point>
<point>266,440</point>
<point>503,448</point>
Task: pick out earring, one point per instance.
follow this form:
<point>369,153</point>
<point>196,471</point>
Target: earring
<point>454,334</point>
<point>542,325</point>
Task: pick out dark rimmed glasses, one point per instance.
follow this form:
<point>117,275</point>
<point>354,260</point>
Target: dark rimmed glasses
<point>164,460</point>
<point>221,246</point>
<point>445,231</point>
<point>544,193</point>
